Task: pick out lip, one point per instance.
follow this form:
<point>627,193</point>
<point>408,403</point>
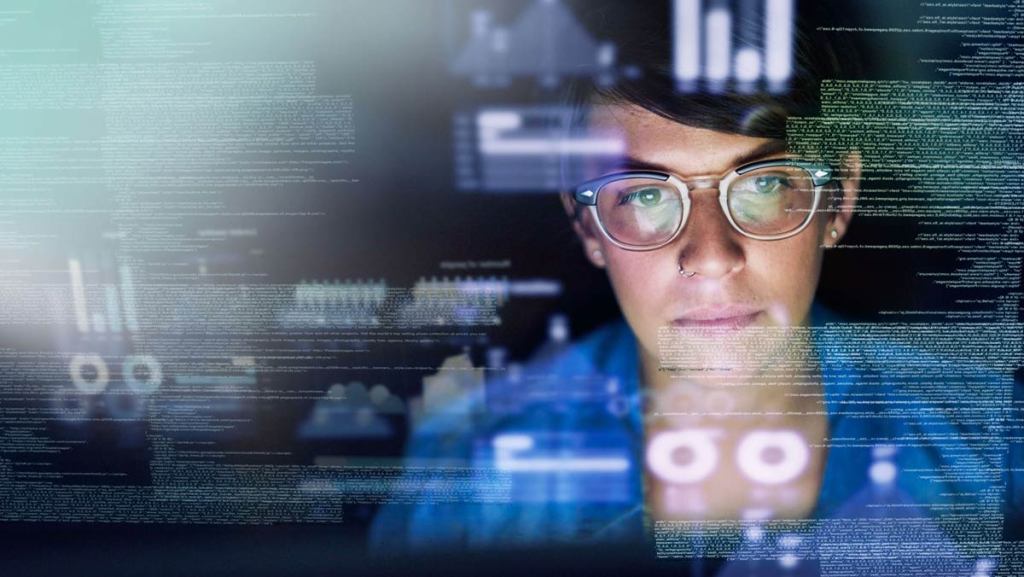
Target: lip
<point>730,316</point>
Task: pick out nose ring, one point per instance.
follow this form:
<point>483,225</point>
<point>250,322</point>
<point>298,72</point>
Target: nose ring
<point>686,273</point>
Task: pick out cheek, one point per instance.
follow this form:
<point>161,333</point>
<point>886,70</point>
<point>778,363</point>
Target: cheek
<point>786,274</point>
<point>640,282</point>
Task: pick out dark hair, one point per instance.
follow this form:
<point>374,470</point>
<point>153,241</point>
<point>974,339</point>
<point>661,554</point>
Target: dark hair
<point>642,36</point>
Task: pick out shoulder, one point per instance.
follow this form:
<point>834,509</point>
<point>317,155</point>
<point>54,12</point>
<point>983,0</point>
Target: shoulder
<point>545,403</point>
<point>921,363</point>
<point>931,398</point>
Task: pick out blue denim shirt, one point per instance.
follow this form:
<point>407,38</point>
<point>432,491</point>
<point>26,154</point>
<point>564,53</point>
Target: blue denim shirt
<point>889,406</point>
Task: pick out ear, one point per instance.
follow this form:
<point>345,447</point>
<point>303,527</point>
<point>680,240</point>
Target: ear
<point>844,200</point>
<point>585,229</point>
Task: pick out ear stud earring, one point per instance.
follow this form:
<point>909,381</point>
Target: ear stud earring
<point>834,233</point>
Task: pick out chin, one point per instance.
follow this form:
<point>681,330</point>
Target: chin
<point>723,352</point>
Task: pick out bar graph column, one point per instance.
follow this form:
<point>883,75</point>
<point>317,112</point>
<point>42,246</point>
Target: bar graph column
<point>718,47</point>
<point>778,43</point>
<point>686,43</point>
<point>747,62</point>
<point>78,295</point>
<point>131,319</point>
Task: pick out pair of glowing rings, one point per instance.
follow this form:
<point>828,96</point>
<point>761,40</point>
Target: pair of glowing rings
<point>750,456</point>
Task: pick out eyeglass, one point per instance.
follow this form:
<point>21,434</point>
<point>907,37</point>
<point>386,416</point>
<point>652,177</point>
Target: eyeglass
<point>764,200</point>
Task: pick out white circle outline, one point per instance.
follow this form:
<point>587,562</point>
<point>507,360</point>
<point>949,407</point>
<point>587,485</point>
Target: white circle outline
<point>663,445</point>
<point>749,459</point>
<point>96,386</point>
<point>147,386</point>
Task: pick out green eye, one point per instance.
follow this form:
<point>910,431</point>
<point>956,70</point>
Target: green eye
<point>769,184</point>
<point>646,197</point>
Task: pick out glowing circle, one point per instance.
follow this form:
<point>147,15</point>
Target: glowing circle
<point>983,568</point>
<point>151,382</point>
<point>663,447</point>
<point>617,406</point>
<point>754,533</point>
<point>92,386</point>
<point>882,472</point>
<point>379,394</point>
<point>792,452</point>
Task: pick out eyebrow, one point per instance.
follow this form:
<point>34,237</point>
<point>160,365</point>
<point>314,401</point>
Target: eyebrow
<point>767,149</point>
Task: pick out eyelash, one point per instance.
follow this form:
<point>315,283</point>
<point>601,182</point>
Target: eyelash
<point>629,197</point>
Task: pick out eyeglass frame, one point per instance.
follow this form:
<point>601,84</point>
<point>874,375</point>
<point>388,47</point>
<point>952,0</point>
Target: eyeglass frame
<point>820,173</point>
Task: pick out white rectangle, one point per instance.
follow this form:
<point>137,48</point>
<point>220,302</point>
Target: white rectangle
<point>562,465</point>
<point>747,66</point>
<point>78,295</point>
<point>499,120</point>
<point>778,40</point>
<point>686,40</point>
<point>552,146</point>
<point>99,322</point>
<point>131,320</point>
<point>718,26</point>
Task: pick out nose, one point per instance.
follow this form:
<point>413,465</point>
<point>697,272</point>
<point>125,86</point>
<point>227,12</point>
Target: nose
<point>708,244</point>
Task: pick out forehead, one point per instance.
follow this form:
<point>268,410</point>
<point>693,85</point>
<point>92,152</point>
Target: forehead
<point>655,140</point>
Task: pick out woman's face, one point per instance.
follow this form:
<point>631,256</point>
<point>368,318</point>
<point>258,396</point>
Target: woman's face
<point>745,292</point>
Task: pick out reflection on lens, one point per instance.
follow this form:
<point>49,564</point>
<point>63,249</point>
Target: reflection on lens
<point>640,211</point>
<point>771,201</point>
